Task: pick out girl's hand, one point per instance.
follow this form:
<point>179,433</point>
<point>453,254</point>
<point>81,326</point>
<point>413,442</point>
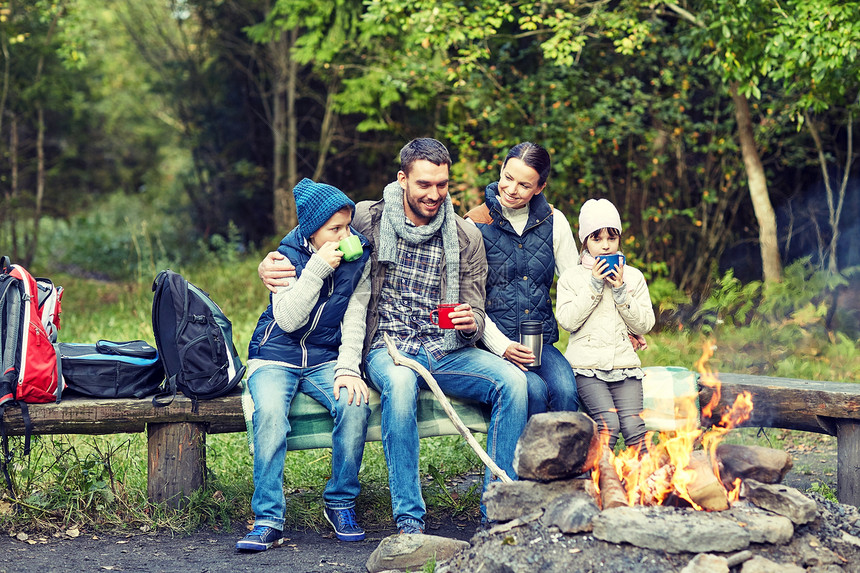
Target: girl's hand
<point>600,269</point>
<point>616,276</point>
<point>330,254</point>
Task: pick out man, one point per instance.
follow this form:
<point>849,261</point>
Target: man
<point>425,255</point>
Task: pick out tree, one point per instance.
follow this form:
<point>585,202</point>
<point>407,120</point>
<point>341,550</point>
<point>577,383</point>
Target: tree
<point>814,53</point>
<point>808,45</point>
<point>39,79</point>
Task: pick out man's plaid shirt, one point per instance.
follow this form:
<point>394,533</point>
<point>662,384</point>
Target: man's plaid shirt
<point>411,290</point>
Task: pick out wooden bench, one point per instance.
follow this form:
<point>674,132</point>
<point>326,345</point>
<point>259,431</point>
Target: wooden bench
<point>176,437</point>
<point>831,408</point>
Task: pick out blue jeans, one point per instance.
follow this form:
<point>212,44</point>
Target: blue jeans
<point>552,386</point>
<point>273,387</point>
<point>466,373</point>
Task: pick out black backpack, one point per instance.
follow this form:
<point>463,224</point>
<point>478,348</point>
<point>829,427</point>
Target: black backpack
<point>194,340</point>
<point>109,369</point>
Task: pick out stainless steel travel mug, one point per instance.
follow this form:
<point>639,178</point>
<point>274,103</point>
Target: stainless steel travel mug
<point>531,335</point>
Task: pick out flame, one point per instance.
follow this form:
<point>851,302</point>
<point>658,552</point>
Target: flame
<point>708,378</point>
<point>669,464</point>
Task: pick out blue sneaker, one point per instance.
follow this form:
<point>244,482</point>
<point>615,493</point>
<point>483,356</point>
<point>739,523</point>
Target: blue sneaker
<point>261,538</point>
<point>343,521</point>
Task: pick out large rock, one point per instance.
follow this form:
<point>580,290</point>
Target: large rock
<point>571,513</point>
<point>780,499</point>
<point>557,445</point>
<point>410,552</point>
<point>766,465</point>
<point>507,501</point>
<point>764,527</point>
<point>658,528</point>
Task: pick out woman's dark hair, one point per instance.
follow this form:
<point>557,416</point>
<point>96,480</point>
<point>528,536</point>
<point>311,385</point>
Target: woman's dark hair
<point>426,148</point>
<point>613,232</point>
<point>534,156</point>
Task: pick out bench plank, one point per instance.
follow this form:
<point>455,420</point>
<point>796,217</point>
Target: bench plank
<point>788,403</point>
<point>80,415</point>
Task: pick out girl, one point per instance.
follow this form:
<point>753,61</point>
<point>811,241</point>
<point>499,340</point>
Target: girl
<point>599,306</point>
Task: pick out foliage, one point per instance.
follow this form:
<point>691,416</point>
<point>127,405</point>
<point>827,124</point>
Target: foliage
<point>824,490</point>
<point>729,303</point>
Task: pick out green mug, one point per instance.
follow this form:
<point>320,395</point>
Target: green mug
<point>351,248</point>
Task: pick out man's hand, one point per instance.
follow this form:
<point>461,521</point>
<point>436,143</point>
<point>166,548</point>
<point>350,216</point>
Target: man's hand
<point>275,270</point>
<point>519,355</point>
<point>464,319</point>
<point>355,387</point>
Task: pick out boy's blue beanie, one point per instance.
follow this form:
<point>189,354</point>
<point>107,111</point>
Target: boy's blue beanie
<point>316,203</point>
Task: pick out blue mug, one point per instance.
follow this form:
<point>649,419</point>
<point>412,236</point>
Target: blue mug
<point>612,260</point>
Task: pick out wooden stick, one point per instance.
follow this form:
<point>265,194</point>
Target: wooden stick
<point>401,360</point>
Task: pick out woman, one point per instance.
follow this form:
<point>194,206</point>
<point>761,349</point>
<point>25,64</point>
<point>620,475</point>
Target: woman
<point>527,243</point>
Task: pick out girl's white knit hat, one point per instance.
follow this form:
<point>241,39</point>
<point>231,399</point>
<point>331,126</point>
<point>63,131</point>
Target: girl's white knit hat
<point>597,214</point>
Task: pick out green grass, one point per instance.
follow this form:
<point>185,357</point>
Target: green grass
<point>100,481</point>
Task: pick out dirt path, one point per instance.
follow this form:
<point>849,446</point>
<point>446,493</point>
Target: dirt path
<point>202,552</point>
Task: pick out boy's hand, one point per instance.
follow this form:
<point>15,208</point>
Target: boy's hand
<point>330,254</point>
<point>355,387</point>
<point>275,271</point>
<point>519,355</point>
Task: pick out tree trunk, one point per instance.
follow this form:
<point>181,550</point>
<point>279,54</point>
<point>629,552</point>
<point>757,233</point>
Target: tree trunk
<point>292,132</point>
<point>283,131</point>
<point>33,242</point>
<point>834,210</point>
<point>326,133</point>
<point>12,193</point>
<point>770,260</point>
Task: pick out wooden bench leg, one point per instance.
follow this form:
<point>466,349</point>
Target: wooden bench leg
<point>177,461</point>
<point>848,462</point>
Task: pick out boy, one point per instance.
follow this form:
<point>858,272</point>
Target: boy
<point>298,345</point>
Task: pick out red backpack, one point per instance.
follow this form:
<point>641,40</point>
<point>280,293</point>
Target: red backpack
<point>29,361</point>
<point>30,316</point>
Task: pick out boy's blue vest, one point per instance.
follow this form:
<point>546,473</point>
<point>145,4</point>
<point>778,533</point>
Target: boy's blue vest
<point>521,267</point>
<point>318,341</point>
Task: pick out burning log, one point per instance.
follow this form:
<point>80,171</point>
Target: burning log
<point>705,489</point>
<point>657,485</point>
<point>612,493</point>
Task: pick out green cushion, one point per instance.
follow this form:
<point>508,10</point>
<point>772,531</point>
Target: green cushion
<point>666,390</point>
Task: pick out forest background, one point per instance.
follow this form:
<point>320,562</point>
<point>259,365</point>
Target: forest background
<point>137,136</point>
<point>723,130</point>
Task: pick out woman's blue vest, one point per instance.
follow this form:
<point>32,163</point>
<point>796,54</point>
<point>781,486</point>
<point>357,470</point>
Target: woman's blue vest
<point>318,341</point>
<point>521,267</point>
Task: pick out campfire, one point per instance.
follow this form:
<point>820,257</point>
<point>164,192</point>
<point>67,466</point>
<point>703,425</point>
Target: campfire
<point>680,468</point>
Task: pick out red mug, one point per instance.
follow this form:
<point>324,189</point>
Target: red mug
<point>441,315</point>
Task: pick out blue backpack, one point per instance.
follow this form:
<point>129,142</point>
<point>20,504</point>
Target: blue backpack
<point>194,340</point>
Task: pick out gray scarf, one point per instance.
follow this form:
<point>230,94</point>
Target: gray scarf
<point>393,225</point>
